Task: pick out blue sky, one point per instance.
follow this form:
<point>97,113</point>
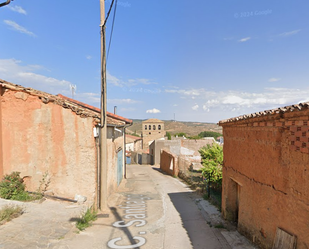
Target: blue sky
<point>201,60</point>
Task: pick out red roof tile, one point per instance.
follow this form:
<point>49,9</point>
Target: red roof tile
<point>285,109</point>
<point>76,106</point>
<point>109,114</point>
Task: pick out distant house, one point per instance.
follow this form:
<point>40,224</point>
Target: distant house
<point>266,175</point>
<point>133,143</point>
<point>152,129</point>
<point>178,147</point>
<point>54,136</point>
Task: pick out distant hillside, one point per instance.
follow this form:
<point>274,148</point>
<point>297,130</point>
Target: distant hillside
<point>190,128</point>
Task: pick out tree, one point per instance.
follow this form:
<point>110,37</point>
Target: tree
<point>212,161</point>
<point>209,134</point>
<point>180,134</point>
<point>169,136</point>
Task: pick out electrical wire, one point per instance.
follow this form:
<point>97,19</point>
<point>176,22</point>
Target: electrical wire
<point>109,11</point>
<point>110,39</point>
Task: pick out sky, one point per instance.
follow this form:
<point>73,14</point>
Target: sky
<point>198,60</point>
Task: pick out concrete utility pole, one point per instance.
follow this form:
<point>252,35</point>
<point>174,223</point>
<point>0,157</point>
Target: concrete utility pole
<point>103,132</point>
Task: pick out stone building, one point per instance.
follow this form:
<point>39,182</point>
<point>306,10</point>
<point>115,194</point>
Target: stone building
<point>266,175</point>
<point>152,129</point>
<point>55,137</point>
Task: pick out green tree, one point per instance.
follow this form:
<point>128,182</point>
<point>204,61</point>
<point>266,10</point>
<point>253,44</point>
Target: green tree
<point>169,136</point>
<point>209,134</point>
<point>212,161</point>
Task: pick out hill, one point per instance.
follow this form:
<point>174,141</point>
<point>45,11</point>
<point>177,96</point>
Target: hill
<point>189,128</point>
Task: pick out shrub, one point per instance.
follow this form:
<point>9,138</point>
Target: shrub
<point>212,161</point>
<point>12,187</point>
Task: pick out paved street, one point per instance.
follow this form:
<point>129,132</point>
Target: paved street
<point>158,212</point>
<point>151,210</point>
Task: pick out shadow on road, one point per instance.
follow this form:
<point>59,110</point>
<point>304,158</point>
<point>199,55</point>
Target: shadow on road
<point>192,219</point>
<point>124,229</point>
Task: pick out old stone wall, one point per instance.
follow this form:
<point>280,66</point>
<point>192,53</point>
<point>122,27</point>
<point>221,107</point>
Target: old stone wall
<point>48,140</point>
<point>266,178</point>
<point>169,163</point>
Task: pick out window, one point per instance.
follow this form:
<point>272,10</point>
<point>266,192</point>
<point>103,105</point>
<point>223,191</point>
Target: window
<point>149,127</point>
<point>154,127</point>
<point>159,127</point>
<point>145,127</point>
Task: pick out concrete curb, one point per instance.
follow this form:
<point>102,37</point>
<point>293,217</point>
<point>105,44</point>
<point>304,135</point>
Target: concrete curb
<point>230,237</point>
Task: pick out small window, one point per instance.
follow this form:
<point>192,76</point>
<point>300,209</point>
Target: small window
<point>159,127</point>
<point>149,133</point>
<point>145,127</point>
<point>149,127</point>
<point>154,127</point>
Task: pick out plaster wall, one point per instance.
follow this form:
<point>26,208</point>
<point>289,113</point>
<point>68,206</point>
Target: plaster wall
<point>170,145</point>
<point>115,143</point>
<point>138,145</point>
<point>46,139</point>
<point>169,163</point>
<point>178,147</point>
<point>270,169</point>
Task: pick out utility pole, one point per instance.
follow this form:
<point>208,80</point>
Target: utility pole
<point>103,130</point>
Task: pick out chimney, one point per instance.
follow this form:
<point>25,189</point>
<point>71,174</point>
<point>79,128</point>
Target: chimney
<point>115,109</point>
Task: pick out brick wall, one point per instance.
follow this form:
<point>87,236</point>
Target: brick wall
<point>266,176</point>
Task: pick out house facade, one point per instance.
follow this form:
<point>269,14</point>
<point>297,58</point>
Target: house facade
<point>54,139</point>
<point>265,185</point>
<point>133,143</point>
<point>184,147</point>
<point>152,129</point>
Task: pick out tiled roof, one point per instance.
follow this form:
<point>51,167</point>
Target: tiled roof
<point>130,138</point>
<point>285,109</point>
<point>79,108</point>
<point>153,120</point>
<point>109,114</point>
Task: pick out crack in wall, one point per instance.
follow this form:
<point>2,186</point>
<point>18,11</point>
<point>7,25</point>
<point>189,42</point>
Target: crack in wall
<point>255,181</point>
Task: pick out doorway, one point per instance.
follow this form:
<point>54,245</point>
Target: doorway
<point>233,201</point>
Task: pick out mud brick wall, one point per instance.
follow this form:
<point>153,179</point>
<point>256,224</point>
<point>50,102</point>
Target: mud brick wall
<point>169,163</point>
<point>266,176</point>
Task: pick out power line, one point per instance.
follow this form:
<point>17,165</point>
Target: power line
<point>109,11</point>
<point>110,39</point>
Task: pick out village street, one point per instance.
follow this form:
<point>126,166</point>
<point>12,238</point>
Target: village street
<point>158,212</point>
